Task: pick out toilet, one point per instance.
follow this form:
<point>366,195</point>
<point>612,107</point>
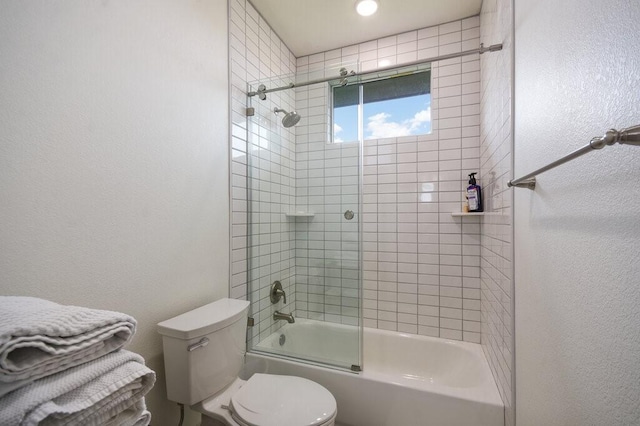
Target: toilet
<point>203,354</point>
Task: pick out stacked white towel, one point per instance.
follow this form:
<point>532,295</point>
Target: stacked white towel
<point>63,365</point>
<point>95,393</point>
<point>39,337</point>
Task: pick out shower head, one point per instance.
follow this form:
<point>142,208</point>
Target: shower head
<point>290,119</point>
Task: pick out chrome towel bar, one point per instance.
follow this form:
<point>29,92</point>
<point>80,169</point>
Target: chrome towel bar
<point>628,136</point>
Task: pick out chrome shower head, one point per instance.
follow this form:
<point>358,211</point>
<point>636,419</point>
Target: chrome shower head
<point>290,119</point>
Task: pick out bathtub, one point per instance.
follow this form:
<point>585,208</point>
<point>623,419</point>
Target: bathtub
<point>406,380</point>
<point>315,341</point>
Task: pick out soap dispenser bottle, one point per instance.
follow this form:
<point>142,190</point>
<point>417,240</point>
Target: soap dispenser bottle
<point>474,194</point>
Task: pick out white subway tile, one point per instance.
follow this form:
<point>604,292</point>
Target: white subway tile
<point>449,27</point>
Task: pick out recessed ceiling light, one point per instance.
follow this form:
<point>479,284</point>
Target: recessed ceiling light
<point>367,7</point>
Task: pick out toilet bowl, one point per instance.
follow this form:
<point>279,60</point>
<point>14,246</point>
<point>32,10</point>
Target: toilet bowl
<point>204,353</point>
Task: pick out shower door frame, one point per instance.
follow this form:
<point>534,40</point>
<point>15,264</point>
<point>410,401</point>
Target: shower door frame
<point>253,341</point>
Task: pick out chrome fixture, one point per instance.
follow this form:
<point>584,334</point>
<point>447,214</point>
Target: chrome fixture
<point>200,344</point>
<point>261,92</point>
<point>344,74</point>
<point>493,48</point>
<point>366,7</point>
<point>628,136</point>
<point>277,292</point>
<point>348,214</point>
<point>277,315</point>
<point>290,119</point>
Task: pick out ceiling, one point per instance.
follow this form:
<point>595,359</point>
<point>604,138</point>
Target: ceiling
<point>312,26</point>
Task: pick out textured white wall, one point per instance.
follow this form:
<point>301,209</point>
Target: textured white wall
<point>113,159</point>
<point>577,250</point>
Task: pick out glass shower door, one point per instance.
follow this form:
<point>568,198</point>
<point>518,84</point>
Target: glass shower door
<point>303,230</point>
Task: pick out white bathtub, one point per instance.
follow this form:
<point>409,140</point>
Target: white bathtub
<point>407,380</point>
<point>315,341</point>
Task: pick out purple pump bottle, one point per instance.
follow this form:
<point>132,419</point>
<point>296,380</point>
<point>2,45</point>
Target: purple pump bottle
<point>474,194</point>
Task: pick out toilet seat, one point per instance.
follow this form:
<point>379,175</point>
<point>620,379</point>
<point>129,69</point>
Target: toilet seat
<point>273,400</point>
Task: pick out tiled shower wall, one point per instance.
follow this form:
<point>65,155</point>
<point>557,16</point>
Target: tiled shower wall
<point>256,53</point>
<point>496,229</point>
<point>421,266</point>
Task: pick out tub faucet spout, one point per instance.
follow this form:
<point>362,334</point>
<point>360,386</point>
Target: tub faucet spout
<point>277,315</point>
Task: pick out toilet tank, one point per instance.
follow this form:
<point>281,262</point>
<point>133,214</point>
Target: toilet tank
<point>204,349</point>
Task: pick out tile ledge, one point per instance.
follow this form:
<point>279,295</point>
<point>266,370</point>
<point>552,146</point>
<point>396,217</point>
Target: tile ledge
<point>299,214</point>
<point>462,214</point>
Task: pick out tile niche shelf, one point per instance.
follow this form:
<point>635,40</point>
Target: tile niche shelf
<point>463,214</point>
<point>299,214</point>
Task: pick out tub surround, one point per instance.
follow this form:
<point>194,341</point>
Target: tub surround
<point>421,266</point>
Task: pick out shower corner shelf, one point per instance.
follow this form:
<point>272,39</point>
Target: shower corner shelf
<point>299,214</point>
<point>463,214</point>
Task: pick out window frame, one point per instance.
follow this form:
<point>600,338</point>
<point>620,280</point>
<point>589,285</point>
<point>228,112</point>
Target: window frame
<point>363,79</point>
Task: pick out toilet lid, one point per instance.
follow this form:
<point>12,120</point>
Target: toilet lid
<point>271,400</point>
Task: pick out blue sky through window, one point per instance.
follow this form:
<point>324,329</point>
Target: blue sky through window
<point>345,124</point>
<point>385,119</point>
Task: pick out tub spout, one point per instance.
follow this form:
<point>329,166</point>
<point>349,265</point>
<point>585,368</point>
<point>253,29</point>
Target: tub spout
<point>277,315</point>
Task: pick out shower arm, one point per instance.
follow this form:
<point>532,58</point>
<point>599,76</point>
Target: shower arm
<point>262,90</point>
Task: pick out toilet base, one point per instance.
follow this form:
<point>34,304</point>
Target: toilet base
<point>208,421</point>
<point>213,413</point>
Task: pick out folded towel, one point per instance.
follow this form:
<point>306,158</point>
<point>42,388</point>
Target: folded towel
<point>135,416</point>
<point>143,419</point>
<point>38,338</point>
<point>108,390</point>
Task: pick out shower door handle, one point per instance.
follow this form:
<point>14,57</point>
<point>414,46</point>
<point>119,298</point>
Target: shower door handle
<point>348,214</point>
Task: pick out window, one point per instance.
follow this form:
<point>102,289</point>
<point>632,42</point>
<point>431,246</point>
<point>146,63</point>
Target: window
<point>375,108</point>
